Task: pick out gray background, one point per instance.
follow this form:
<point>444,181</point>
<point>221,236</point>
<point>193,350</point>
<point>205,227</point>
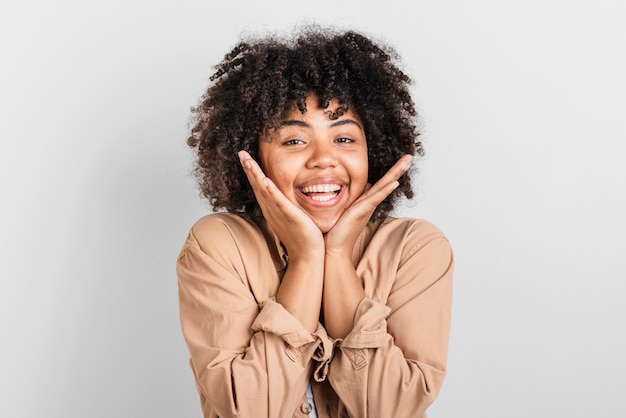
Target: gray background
<point>523,104</point>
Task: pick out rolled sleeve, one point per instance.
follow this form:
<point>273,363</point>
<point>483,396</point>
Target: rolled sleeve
<point>276,319</point>
<point>370,326</point>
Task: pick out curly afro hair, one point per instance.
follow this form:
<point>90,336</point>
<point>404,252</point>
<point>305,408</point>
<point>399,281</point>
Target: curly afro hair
<point>262,78</point>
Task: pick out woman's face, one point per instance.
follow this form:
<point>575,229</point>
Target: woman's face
<point>318,163</point>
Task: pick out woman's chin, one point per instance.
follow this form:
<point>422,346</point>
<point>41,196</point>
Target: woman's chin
<point>325,225</point>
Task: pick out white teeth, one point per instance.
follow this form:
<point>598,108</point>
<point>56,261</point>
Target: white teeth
<point>321,188</point>
<point>322,198</point>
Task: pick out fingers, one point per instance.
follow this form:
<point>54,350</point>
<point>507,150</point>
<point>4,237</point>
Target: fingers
<point>257,178</point>
<point>343,235</point>
<point>289,222</point>
<point>252,169</point>
<point>263,187</point>
<point>389,182</point>
<point>396,171</point>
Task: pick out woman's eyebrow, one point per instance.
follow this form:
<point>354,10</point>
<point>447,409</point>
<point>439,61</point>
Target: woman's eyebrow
<point>342,122</point>
<point>293,122</point>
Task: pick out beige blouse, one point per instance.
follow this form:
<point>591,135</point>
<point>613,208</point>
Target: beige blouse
<point>251,358</point>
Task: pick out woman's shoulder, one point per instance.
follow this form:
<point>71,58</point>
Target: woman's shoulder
<point>221,227</point>
<point>220,220</point>
<point>414,239</point>
<point>233,239</point>
<point>415,229</point>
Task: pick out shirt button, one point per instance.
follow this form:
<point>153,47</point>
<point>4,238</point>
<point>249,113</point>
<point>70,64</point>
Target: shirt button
<point>306,408</point>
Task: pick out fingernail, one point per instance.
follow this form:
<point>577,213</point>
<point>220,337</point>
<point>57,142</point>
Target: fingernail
<point>245,162</point>
<point>407,164</point>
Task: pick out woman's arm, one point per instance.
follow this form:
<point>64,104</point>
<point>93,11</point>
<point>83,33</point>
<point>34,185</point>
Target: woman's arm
<point>248,360</point>
<point>343,289</point>
<point>393,361</point>
<point>301,288</point>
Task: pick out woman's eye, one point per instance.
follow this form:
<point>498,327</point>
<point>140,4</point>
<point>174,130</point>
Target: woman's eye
<point>293,142</point>
<point>344,140</point>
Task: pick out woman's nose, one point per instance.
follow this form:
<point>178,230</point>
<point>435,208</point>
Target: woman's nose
<point>322,155</point>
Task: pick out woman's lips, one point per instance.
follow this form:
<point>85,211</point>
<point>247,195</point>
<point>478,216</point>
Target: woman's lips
<point>320,188</point>
<point>321,193</point>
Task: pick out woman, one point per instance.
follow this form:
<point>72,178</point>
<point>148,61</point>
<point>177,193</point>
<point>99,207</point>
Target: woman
<point>301,295</point>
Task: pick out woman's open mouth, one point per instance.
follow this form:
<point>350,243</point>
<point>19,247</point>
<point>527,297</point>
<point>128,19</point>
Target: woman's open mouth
<point>321,192</point>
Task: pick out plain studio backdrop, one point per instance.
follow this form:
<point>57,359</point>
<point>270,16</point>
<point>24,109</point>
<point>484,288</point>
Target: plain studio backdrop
<point>523,105</point>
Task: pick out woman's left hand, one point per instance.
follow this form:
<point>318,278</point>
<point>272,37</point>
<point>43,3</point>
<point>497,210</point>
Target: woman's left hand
<point>343,289</point>
<point>341,238</point>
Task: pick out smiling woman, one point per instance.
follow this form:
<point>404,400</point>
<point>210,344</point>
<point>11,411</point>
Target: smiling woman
<point>318,163</point>
<point>302,295</point>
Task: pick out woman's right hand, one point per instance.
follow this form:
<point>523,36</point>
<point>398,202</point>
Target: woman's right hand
<point>300,290</point>
<point>298,233</point>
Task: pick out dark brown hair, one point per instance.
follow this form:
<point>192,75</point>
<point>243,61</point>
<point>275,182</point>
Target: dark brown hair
<point>261,78</point>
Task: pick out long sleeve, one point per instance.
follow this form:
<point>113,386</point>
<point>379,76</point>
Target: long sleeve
<point>250,357</point>
<point>393,362</point>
